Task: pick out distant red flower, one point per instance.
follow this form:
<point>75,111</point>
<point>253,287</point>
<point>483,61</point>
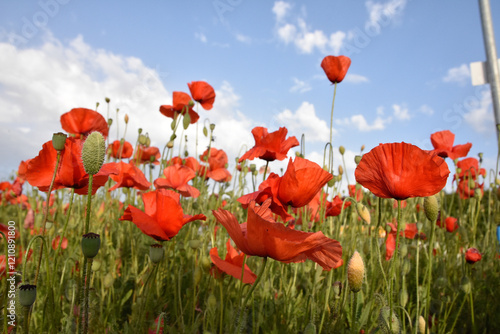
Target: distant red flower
<point>355,191</point>
<point>262,236</point>
<point>472,255</point>
<point>301,182</point>
<point>129,176</point>
<point>400,171</point>
<point>203,93</point>
<point>334,208</point>
<point>335,67</point>
<point>181,104</point>
<point>70,173</point>
<point>11,191</point>
<point>56,243</point>
<point>467,188</point>
<point>5,229</point>
<point>188,162</point>
<point>451,224</point>
<point>162,217</point>
<point>270,146</point>
<point>217,163</point>
<point>177,178</point>
<point>443,145</point>
<point>82,121</point>
<point>469,168</point>
<point>409,232</point>
<point>118,150</point>
<point>149,154</point>
<point>232,264</point>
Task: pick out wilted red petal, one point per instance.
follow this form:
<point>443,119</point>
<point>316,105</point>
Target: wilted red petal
<point>82,121</point>
<point>400,171</point>
<point>203,93</point>
<point>335,67</point>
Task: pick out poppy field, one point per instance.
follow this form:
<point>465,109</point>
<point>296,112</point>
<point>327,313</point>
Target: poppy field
<point>102,235</point>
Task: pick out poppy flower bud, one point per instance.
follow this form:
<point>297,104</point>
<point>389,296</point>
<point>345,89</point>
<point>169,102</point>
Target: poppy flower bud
<point>139,130</point>
<point>478,193</point>
<point>58,141</point>
<point>431,208</point>
<point>355,272</point>
<point>170,144</point>
<point>388,321</point>
<point>331,183</point>
<point>362,148</point>
<point>195,244</point>
<point>480,155</point>
<point>107,99</point>
<point>342,150</point>
<point>93,152</point>
<point>108,281</point>
<point>211,302</point>
<point>96,265</point>
<point>197,275</point>
<point>191,104</point>
<point>337,289</point>
<point>357,159</point>
<point>97,105</point>
<point>341,170</point>
<point>156,253</point>
<point>91,243</point>
<point>403,297</point>
<point>465,285</point>
<point>186,121</point>
<point>110,121</point>
<point>363,212</point>
<point>421,325</point>
<point>27,294</point>
<point>205,131</point>
<point>212,127</point>
<point>310,328</point>
<point>126,118</point>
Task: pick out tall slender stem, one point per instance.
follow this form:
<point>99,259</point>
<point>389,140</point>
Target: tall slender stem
<point>331,118</point>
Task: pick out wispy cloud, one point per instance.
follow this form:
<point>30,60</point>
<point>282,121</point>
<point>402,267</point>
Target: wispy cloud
<point>360,123</point>
<point>300,86</point>
<point>304,121</point>
<point>459,75</point>
<point>480,117</point>
<point>401,112</point>
<point>355,78</point>
<point>201,37</point>
<point>281,9</point>
<point>426,110</point>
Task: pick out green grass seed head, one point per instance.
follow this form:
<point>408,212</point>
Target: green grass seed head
<point>93,152</point>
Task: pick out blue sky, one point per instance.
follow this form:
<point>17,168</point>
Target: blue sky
<point>409,75</point>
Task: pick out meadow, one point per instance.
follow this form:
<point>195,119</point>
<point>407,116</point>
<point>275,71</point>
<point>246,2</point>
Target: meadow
<point>100,235</point>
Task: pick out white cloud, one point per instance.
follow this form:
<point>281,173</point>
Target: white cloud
<point>361,124</point>
<point>280,9</point>
<point>201,37</point>
<point>401,112</point>
<point>304,121</point>
<point>459,75</point>
<point>355,78</point>
<point>300,86</point>
<point>480,117</point>
<point>426,110</point>
<point>382,14</point>
<point>243,38</point>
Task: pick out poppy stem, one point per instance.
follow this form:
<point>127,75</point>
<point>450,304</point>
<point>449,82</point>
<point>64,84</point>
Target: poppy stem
<point>265,171</point>
<point>89,203</point>
<point>254,285</point>
<point>331,117</point>
<point>393,277</point>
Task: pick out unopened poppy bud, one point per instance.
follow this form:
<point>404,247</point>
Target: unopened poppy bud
<point>403,297</point>
<point>363,212</point>
<point>341,170</point>
<point>27,294</point>
<point>96,265</point>
<point>388,321</point>
<point>107,99</point>
<point>186,121</point>
<point>97,105</point>
<point>191,104</point>
<point>143,139</point>
<point>93,153</point>
<point>421,325</point>
<point>337,289</point>
<point>58,141</point>
<point>480,155</point>
<point>197,275</point>
<point>205,263</point>
<point>478,193</point>
<point>497,181</point>
<point>110,121</point>
<point>173,137</point>
<point>310,328</point>
<point>108,281</point>
<point>331,183</point>
<point>253,167</point>
<point>431,208</point>
<point>459,170</point>
<point>156,253</point>
<point>170,144</point>
<point>211,302</point>
<point>91,243</point>
<point>195,244</point>
<point>212,127</point>
<point>342,150</point>
<point>126,118</point>
<point>357,159</point>
<point>355,272</point>
<point>362,148</point>
<point>139,130</point>
<point>205,131</point>
<point>465,285</point>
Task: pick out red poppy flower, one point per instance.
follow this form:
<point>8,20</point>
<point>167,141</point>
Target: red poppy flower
<point>270,146</point>
<point>467,188</point>
<point>232,264</point>
<point>177,178</point>
<point>129,176</point>
<point>11,191</point>
<point>334,208</point>
<point>118,150</point>
<point>56,244</point>
<point>70,173</point>
<point>301,182</point>
<point>400,171</point>
<point>443,145</point>
<point>5,229</point>
<point>181,103</point>
<point>335,67</point>
<point>188,162</point>
<point>21,170</point>
<point>203,93</point>
<point>355,191</point>
<point>82,121</point>
<point>469,168</point>
<point>472,255</point>
<point>149,154</point>
<point>409,232</point>
<point>162,217</point>
<point>217,162</point>
<point>451,224</point>
<point>262,236</point>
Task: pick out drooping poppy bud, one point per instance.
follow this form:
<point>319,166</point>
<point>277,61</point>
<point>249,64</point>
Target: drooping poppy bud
<point>93,153</point>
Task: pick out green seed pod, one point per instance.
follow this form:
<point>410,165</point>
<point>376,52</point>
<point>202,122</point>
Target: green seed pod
<point>156,253</point>
<point>205,131</point>
<point>96,265</point>
<point>342,150</point>
<point>91,243</point>
<point>27,294</point>
<point>93,152</point>
<point>431,207</point>
<point>58,141</point>
<point>195,244</point>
